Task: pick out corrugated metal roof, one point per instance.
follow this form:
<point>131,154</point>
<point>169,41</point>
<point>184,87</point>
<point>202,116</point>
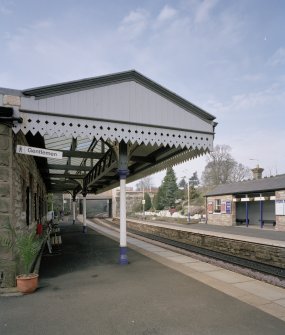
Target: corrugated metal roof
<point>251,186</point>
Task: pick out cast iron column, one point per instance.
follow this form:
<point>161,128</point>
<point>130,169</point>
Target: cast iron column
<point>84,193</point>
<point>123,173</point>
<point>73,207</point>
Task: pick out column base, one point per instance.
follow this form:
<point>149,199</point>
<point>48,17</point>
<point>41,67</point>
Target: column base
<point>84,229</point>
<point>123,256</point>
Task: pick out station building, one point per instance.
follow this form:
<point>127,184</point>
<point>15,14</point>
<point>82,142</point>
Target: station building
<point>86,137</point>
<point>256,202</point>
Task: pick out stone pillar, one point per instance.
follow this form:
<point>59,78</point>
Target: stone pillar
<point>7,263</point>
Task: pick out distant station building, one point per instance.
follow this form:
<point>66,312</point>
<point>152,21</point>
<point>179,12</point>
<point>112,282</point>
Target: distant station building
<point>256,202</point>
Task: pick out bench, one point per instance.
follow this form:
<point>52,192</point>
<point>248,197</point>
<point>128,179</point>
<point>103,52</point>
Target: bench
<point>273,222</point>
<point>241,221</point>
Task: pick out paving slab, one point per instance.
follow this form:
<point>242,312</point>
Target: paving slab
<point>202,266</point>
<point>262,290</point>
<point>229,276</point>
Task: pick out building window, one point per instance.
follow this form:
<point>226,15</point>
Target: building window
<point>217,208</point>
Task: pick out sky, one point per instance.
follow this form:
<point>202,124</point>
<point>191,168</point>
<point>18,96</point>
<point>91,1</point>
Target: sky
<point>225,56</point>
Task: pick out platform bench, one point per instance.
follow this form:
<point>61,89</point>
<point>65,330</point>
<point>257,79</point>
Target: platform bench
<point>273,222</point>
<point>241,221</point>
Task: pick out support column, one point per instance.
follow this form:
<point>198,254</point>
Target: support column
<point>84,213</point>
<point>246,213</point>
<point>123,173</point>
<point>261,212</point>
<point>73,208</point>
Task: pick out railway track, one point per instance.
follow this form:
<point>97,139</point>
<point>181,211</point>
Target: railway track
<point>210,254</point>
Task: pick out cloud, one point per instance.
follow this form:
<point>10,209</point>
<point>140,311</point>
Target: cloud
<point>134,24</point>
<point>166,13</point>
<point>204,10</point>
<point>278,58</point>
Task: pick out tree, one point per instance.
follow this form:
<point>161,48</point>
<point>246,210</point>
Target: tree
<point>147,205</point>
<point>222,168</point>
<point>182,183</point>
<point>167,192</point>
<point>194,180</point>
<point>145,183</point>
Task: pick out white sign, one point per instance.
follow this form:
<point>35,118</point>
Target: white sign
<point>280,207</point>
<point>23,149</point>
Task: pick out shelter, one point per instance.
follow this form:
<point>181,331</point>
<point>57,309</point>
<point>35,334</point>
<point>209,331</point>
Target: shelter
<point>101,131</point>
<point>252,203</point>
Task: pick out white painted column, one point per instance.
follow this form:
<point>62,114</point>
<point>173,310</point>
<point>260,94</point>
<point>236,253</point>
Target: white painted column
<point>123,173</point>
<point>84,214</point>
<point>123,215</point>
<point>123,218</point>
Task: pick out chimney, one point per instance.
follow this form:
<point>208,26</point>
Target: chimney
<point>257,172</point>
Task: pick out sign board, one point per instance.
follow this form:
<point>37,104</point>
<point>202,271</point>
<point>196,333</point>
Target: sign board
<point>280,207</point>
<point>143,202</point>
<point>228,207</point>
<point>210,207</point>
<point>23,149</point>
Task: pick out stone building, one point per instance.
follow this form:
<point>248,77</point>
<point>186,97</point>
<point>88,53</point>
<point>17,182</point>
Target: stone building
<point>22,193</point>
<point>253,203</point>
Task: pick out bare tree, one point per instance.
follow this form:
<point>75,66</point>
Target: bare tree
<point>145,182</point>
<point>222,168</point>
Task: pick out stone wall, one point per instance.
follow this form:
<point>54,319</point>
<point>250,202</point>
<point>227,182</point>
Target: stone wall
<point>26,174</point>
<point>7,263</point>
<point>17,173</point>
<point>133,200</point>
<point>270,255</point>
<point>222,219</point>
<point>280,219</point>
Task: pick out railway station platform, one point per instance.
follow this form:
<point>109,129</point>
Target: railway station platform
<point>83,290</point>
<point>268,234</point>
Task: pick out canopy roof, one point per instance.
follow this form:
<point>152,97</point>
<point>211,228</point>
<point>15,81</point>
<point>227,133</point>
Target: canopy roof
<point>250,186</point>
<point>86,119</point>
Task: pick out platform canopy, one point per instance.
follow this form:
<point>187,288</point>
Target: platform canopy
<point>87,119</point>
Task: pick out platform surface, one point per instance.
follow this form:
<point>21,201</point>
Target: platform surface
<point>83,290</point>
<point>256,234</point>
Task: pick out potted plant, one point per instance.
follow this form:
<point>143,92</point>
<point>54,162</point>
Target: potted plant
<point>26,245</point>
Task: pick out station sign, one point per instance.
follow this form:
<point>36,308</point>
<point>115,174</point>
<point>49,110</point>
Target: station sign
<point>25,150</point>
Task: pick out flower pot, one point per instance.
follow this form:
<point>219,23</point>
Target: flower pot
<point>27,283</point>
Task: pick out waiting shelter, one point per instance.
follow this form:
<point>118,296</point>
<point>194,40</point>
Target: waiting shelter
<point>89,136</point>
<point>256,202</point>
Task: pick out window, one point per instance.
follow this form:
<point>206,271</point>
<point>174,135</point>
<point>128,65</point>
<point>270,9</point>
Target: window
<point>217,208</point>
